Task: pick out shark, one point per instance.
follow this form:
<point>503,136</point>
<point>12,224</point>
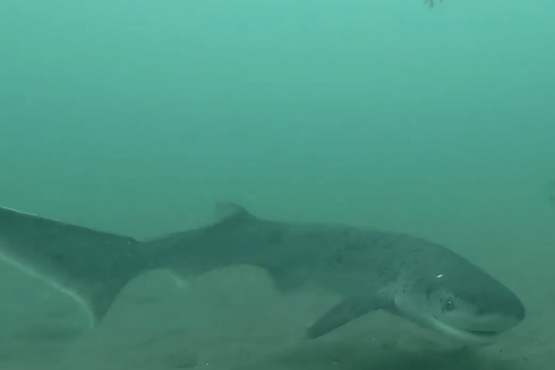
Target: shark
<point>369,269</point>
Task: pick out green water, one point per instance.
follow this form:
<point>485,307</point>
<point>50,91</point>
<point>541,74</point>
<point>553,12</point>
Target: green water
<point>134,117</point>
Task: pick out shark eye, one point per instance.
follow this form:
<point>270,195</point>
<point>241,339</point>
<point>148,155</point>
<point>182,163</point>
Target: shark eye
<point>449,305</point>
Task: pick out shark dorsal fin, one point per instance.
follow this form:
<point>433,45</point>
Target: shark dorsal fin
<point>225,211</point>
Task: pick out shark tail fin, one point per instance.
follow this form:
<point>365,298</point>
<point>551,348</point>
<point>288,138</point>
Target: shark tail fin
<point>90,266</point>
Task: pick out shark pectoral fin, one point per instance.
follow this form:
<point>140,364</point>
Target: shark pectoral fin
<point>342,313</point>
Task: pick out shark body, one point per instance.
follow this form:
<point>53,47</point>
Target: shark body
<point>369,269</point>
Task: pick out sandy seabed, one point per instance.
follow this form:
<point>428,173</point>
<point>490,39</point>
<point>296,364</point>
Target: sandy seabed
<point>233,319</point>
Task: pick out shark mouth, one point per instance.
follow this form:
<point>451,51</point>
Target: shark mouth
<point>477,338</point>
<point>483,333</point>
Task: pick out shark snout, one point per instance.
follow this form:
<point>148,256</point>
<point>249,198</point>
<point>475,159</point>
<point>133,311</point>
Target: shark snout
<point>510,305</point>
<point>520,312</point>
<point>503,313</point>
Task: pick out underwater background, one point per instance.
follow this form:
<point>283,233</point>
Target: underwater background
<point>136,116</point>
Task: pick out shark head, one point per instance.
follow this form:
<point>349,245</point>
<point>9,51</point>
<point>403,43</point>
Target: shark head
<point>460,301</point>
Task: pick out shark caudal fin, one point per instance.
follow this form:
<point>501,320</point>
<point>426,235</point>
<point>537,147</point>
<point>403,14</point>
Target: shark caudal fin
<point>90,266</point>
